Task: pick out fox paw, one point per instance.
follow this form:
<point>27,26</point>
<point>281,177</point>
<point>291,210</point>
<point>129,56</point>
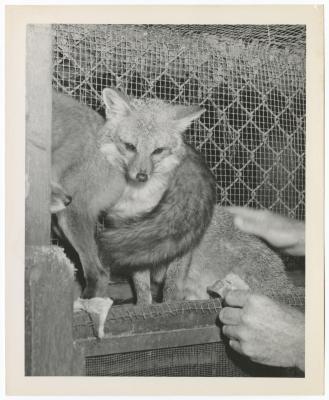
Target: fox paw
<point>97,305</point>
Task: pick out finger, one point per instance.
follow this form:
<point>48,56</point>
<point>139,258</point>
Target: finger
<point>236,346</point>
<point>231,331</point>
<point>230,316</point>
<point>237,298</point>
<point>255,226</point>
<point>250,214</point>
<point>242,211</point>
<point>250,220</point>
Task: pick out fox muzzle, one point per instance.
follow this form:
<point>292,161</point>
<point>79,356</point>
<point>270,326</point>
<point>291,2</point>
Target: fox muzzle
<point>142,177</point>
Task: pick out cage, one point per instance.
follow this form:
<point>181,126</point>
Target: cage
<point>251,81</point>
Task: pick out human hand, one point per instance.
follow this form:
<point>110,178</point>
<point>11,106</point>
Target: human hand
<point>263,330</point>
<point>286,234</point>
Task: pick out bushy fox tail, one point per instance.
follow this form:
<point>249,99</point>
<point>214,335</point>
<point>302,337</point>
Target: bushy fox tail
<point>175,226</point>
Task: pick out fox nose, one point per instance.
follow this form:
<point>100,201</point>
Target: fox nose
<point>141,177</point>
<point>68,200</point>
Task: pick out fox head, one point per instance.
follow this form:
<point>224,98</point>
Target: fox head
<point>144,137</point>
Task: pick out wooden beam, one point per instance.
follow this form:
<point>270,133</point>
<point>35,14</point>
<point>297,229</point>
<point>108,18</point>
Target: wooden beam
<point>130,319</point>
<point>38,133</point>
<point>149,341</point>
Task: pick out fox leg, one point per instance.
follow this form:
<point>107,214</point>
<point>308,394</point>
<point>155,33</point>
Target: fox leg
<point>80,231</point>
<point>142,285</point>
<point>177,270</point>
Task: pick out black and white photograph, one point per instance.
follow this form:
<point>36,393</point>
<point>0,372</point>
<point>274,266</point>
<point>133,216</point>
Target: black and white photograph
<point>165,178</point>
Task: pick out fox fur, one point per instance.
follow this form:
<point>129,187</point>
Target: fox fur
<point>222,250</point>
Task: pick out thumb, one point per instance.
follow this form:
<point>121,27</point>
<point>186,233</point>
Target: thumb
<point>237,298</point>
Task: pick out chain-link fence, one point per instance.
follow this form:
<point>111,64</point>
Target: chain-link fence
<point>250,79</point>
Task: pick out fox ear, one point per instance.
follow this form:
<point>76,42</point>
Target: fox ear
<point>185,115</point>
<point>117,104</point>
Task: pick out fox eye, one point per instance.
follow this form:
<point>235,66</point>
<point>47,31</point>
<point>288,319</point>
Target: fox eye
<point>130,146</point>
<point>159,150</point>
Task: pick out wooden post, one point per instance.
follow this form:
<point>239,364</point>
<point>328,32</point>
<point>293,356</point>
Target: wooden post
<point>38,133</point>
<point>49,347</point>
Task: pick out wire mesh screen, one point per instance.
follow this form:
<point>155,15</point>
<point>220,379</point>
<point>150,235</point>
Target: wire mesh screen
<point>206,360</point>
<point>250,80</point>
<point>197,360</point>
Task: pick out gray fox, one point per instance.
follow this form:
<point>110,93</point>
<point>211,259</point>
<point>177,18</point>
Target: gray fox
<point>224,249</point>
<point>84,172</point>
<point>155,191</point>
<point>169,199</point>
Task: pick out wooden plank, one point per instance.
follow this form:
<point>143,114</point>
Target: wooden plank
<point>149,341</point>
<point>38,133</point>
<point>49,347</point>
<point>130,319</point>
